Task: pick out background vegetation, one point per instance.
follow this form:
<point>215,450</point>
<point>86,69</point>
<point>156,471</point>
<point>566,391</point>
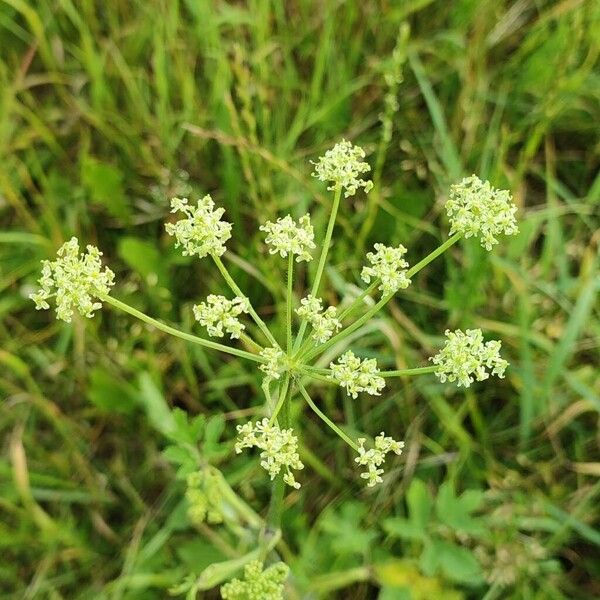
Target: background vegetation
<point>107,109</point>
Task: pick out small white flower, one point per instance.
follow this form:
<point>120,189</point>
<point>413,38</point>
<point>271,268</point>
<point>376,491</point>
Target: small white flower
<point>375,457</point>
<point>389,266</point>
<point>324,323</point>
<point>76,281</point>
<point>218,314</point>
<point>341,167</point>
<point>465,356</point>
<point>475,208</point>
<point>275,364</point>
<point>202,232</point>
<point>356,375</point>
<point>279,448</point>
<point>285,236</point>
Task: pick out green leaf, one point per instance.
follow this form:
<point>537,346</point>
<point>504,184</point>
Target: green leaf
<point>109,394</point>
<point>454,562</point>
<point>155,405</point>
<point>104,184</point>
<point>212,448</point>
<point>458,563</point>
<point>403,528</point>
<point>186,430</point>
<point>419,504</point>
<point>429,559</point>
<point>455,511</point>
<point>348,536</point>
<point>143,257</point>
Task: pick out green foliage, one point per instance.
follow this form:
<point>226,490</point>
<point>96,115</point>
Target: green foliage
<point>454,561</point>
<point>109,109</point>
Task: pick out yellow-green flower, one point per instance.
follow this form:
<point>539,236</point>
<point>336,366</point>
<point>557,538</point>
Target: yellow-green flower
<point>76,281</point>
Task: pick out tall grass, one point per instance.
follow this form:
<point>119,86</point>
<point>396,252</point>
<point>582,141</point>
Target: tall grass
<point>108,109</point>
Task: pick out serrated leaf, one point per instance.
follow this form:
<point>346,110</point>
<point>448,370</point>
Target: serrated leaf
<point>403,528</point>
<point>455,511</point>
<point>458,563</point>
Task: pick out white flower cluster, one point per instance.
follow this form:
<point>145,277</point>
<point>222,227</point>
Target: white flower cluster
<point>375,457</point>
<point>285,236</point>
<point>357,375</point>
<point>275,364</point>
<point>475,208</point>
<point>341,167</point>
<point>387,265</point>
<point>279,448</point>
<point>323,322</point>
<point>257,584</point>
<point>202,232</point>
<point>76,281</point>
<point>465,355</point>
<point>218,314</point>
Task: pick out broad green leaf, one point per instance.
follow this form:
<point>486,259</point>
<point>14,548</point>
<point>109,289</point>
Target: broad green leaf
<point>104,184</point>
<point>458,563</point>
<point>403,528</point>
<point>348,535</point>
<point>142,256</point>
<point>455,511</point>
<point>109,394</point>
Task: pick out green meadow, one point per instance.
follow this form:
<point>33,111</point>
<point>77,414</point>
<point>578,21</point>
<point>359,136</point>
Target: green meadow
<point>109,109</point>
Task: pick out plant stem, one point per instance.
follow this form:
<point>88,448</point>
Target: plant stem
<point>326,419</point>
<point>384,300</point>
<point>315,375</point>
<point>283,390</point>
<point>250,342</point>
<point>358,300</point>
<point>290,291</point>
<point>408,372</point>
<point>238,292</point>
<point>433,255</point>
<point>188,337</point>
<point>358,323</point>
<point>278,485</point>
<point>348,310</point>
<point>322,259</point>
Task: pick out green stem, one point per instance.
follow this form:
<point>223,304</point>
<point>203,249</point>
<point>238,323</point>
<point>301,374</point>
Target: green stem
<point>278,485</point>
<point>346,332</point>
<point>315,375</point>
<point>408,372</point>
<point>322,259</point>
<point>347,311</point>
<point>433,255</point>
<point>188,337</point>
<point>384,300</point>
<point>250,342</point>
<point>238,292</point>
<point>358,300</point>
<point>326,419</point>
<point>290,291</point>
<point>283,390</point>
